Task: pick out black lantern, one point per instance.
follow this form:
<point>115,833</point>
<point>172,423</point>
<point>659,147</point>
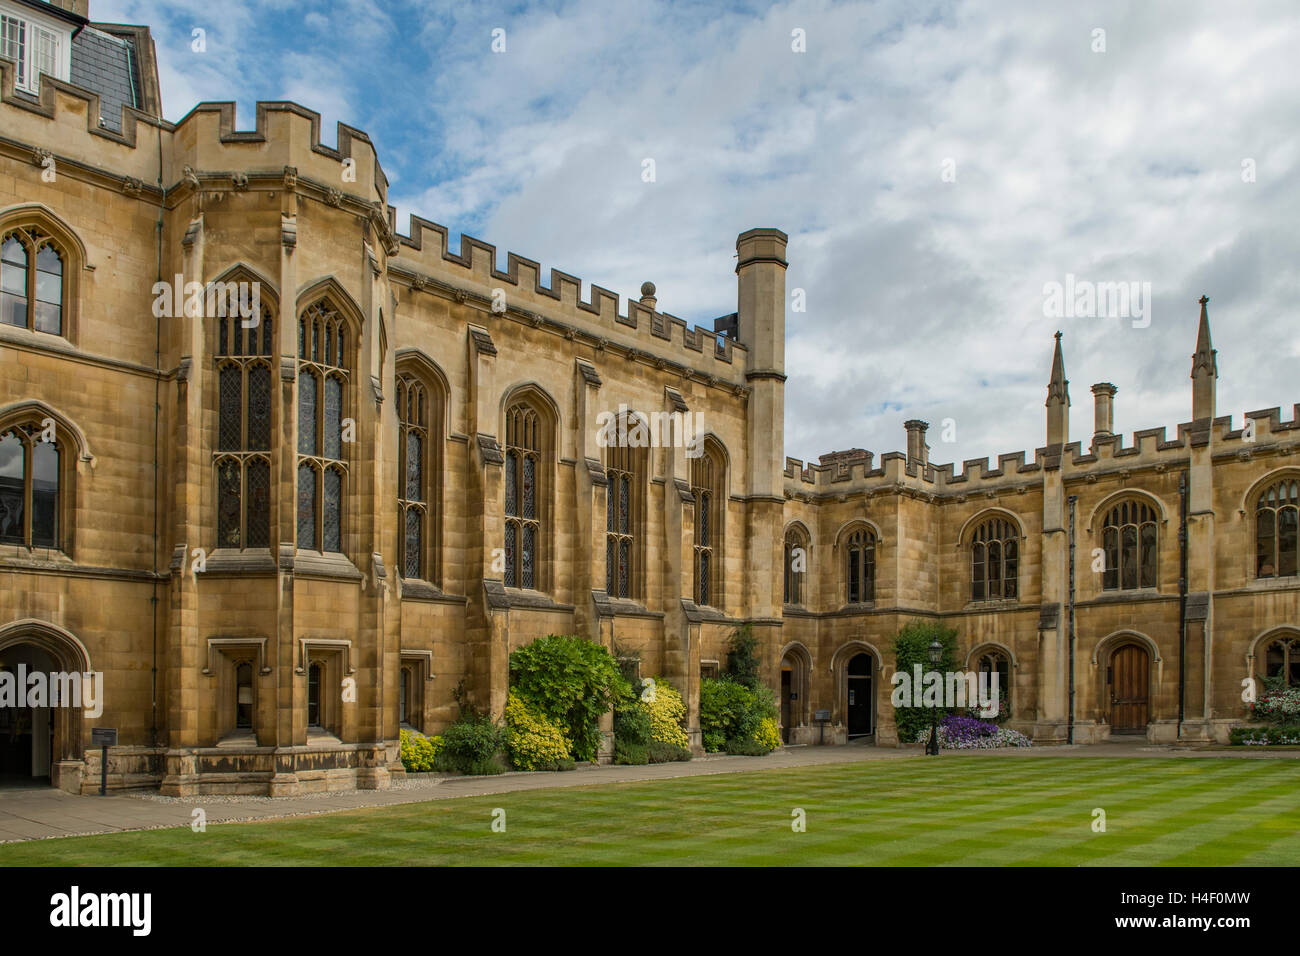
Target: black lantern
<point>932,748</point>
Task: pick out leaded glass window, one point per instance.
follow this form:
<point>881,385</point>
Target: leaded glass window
<point>523,472</point>
<point>1277,530</point>
<point>30,476</point>
<point>796,567</point>
<point>995,561</point>
<point>413,498</point>
<point>705,473</point>
<point>860,567</point>
<point>243,358</point>
<point>622,513</point>
<point>32,286</point>
<point>1128,541</point>
<point>323,389</point>
<point>1282,661</point>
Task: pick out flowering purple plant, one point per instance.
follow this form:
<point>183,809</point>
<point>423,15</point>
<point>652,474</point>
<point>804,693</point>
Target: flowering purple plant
<point>968,733</point>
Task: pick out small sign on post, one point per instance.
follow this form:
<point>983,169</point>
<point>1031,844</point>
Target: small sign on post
<point>103,737</point>
<point>821,716</point>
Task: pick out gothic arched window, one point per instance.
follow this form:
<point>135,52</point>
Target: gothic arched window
<point>860,567</point>
<point>796,567</point>
<point>243,460</point>
<point>1282,661</point>
<point>995,561</point>
<point>706,489</point>
<point>622,514</point>
<point>523,466</point>
<point>413,499</point>
<point>1277,530</point>
<point>1128,538</point>
<point>29,487</point>
<point>32,286</point>
<point>322,402</point>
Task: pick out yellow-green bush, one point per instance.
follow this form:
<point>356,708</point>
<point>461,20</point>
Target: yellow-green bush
<point>666,709</point>
<point>767,734</point>
<point>535,742</point>
<point>418,751</point>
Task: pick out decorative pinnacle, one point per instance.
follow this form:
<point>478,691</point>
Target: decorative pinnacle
<point>1058,389</point>
<point>647,289</point>
<point>1205,361</point>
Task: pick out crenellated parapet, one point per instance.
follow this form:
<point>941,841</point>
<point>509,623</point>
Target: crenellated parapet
<point>426,262</point>
<point>841,474</point>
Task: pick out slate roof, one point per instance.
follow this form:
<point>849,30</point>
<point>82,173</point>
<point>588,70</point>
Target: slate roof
<point>109,66</point>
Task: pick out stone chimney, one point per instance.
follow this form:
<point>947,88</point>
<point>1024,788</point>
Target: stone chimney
<point>79,7</point>
<point>1104,400</point>
<point>917,449</point>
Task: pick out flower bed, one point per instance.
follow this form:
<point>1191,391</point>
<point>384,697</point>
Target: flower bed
<point>967,733</point>
<point>1288,736</point>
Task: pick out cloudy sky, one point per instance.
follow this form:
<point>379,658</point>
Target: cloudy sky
<point>935,166</point>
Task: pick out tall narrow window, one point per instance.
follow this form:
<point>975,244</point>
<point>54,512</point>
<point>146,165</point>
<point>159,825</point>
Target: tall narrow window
<point>29,488</point>
<point>1277,530</point>
<point>322,407</point>
<point>860,570</point>
<point>523,495</point>
<point>995,561</point>
<point>996,662</point>
<point>622,511</point>
<point>13,44</point>
<point>796,567</point>
<point>706,476</point>
<point>243,462</point>
<point>1128,540</point>
<point>31,281</point>
<point>413,500</point>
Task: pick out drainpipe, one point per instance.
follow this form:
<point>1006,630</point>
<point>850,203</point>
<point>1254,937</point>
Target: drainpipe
<point>1069,727</point>
<point>157,385</point>
<point>1182,599</point>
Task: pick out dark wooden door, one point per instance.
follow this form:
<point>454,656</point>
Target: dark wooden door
<point>787,678</point>
<point>861,708</point>
<point>1130,680</point>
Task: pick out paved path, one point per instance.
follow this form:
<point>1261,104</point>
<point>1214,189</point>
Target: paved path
<point>37,813</point>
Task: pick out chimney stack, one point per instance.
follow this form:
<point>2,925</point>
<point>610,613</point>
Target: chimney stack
<point>917,449</point>
<point>1104,397</point>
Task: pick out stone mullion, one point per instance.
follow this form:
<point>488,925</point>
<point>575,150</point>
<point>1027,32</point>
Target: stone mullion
<point>192,471</point>
<point>290,719</point>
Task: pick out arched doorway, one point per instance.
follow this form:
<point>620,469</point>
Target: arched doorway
<point>860,702</point>
<point>796,664</point>
<point>41,744</point>
<point>1128,681</point>
<point>26,732</point>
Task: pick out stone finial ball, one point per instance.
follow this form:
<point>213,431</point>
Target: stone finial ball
<point>647,288</point>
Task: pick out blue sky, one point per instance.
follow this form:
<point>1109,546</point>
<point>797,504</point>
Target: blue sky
<point>935,164</point>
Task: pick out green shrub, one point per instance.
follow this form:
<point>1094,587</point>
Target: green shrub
<point>631,754</point>
<point>742,657</point>
<point>661,752</point>
<point>418,751</point>
<point>535,743</point>
<point>572,682</point>
<point>732,713</point>
<point>632,724</point>
<point>565,763</point>
<point>471,745</point>
<point>667,713</point>
<point>747,748</point>
<point>912,646</point>
<point>1284,735</point>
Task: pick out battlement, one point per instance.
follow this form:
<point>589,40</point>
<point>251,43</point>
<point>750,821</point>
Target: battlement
<point>425,254</point>
<point>850,472</point>
<point>206,149</point>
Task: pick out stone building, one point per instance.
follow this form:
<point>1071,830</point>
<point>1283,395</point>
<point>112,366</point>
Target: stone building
<point>290,479</point>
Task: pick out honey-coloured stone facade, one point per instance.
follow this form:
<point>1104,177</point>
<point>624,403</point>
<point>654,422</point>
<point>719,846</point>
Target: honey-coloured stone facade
<point>274,667</point>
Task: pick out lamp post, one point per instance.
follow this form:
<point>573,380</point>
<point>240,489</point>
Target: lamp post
<point>932,748</point>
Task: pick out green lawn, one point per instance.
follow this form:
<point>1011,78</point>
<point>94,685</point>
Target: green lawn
<point>1035,811</point>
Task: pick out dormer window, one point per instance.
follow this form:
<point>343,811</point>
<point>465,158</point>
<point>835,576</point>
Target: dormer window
<point>36,43</point>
